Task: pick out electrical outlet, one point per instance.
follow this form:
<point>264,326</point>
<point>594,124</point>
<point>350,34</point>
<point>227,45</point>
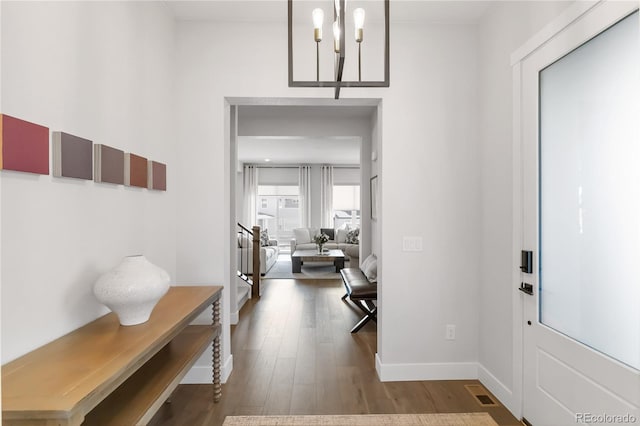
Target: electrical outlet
<point>451,332</point>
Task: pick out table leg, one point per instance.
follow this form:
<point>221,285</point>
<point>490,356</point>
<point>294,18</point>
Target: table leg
<point>217,387</point>
<point>339,263</point>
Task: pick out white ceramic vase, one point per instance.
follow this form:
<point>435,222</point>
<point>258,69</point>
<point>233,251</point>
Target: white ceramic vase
<point>132,289</point>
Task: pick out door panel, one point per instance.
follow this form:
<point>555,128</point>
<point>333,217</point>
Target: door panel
<point>578,185</point>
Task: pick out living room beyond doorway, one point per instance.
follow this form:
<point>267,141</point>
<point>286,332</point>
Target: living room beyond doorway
<point>302,163</point>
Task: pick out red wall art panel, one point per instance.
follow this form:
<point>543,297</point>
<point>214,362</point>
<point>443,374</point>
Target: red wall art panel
<point>25,146</point>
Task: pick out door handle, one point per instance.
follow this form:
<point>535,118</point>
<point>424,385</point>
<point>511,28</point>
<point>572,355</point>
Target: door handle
<point>526,288</point>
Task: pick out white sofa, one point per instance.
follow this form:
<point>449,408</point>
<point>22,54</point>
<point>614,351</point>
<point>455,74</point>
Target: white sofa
<point>268,256</point>
<point>302,242</point>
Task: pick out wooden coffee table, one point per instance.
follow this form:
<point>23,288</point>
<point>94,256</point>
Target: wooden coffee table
<point>300,256</point>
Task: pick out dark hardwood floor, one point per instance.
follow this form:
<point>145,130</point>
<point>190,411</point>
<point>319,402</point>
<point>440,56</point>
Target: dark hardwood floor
<point>293,354</point>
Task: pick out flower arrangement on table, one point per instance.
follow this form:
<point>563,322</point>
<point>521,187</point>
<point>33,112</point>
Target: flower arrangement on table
<point>320,240</point>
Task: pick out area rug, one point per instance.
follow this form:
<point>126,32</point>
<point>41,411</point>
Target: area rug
<point>310,270</point>
<point>449,419</point>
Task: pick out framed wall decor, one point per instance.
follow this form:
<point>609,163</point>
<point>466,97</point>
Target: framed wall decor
<point>373,186</point>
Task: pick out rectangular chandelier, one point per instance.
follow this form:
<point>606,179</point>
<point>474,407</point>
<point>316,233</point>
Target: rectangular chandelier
<point>354,55</point>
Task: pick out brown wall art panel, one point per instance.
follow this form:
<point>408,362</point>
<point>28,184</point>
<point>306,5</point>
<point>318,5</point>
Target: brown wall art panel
<point>24,145</point>
<point>72,156</point>
<point>157,176</point>
<point>135,170</point>
<point>108,164</point>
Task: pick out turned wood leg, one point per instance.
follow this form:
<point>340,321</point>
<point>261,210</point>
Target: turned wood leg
<point>217,387</point>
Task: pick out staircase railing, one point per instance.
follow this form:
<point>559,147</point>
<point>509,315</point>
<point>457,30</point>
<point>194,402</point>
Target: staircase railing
<point>249,238</point>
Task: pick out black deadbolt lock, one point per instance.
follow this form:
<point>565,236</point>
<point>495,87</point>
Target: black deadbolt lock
<point>526,261</point>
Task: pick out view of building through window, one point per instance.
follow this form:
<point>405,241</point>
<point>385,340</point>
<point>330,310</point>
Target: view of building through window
<point>346,205</point>
<point>277,211</point>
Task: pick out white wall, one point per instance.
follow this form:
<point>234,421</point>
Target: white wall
<point>103,71</point>
<point>430,190</point>
<point>0,210</point>
<point>287,175</point>
<point>506,26</point>
<point>430,170</point>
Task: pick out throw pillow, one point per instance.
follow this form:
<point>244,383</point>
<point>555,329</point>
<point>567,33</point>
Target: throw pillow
<point>352,236</point>
<point>365,263</point>
<point>341,235</point>
<point>264,238</point>
<point>330,232</point>
<point>302,235</point>
<point>371,270</point>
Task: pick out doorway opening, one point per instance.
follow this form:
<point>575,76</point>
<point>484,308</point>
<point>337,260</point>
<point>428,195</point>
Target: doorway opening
<point>278,137</point>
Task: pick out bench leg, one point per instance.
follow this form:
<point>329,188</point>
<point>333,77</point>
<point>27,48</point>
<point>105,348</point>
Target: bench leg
<point>345,296</point>
<point>369,316</point>
<point>370,311</point>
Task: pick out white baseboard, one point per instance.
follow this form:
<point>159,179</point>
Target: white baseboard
<point>203,374</point>
<point>244,294</point>
<point>426,371</point>
<point>227,368</point>
<point>449,371</point>
<point>496,387</point>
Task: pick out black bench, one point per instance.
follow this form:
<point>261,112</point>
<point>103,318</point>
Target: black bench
<point>362,293</point>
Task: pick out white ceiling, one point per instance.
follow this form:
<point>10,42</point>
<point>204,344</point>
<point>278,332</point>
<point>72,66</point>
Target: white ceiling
<point>276,10</point>
<point>299,150</point>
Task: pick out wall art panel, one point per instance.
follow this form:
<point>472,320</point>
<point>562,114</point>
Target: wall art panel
<point>25,146</point>
<point>72,156</point>
<point>108,164</point>
<point>135,170</point>
<point>157,176</point>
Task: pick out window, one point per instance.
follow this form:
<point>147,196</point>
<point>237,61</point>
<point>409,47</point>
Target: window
<point>589,239</point>
<point>346,205</point>
<point>278,211</point>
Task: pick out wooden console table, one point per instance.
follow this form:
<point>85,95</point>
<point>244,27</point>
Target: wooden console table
<point>107,374</point>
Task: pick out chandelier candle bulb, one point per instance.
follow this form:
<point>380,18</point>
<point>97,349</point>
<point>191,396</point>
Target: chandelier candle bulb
<point>358,19</point>
<point>336,36</point>
<point>318,18</point>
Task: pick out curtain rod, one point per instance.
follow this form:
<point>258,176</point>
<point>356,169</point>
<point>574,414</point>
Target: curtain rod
<point>262,166</point>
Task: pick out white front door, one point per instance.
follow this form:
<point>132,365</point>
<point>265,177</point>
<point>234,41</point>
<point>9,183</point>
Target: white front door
<point>580,190</point>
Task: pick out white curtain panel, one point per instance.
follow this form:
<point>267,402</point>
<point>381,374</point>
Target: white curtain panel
<point>326,196</point>
<point>304,183</point>
<point>250,187</point>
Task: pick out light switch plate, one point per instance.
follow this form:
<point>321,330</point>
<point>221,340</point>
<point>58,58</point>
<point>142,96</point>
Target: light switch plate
<point>411,243</point>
